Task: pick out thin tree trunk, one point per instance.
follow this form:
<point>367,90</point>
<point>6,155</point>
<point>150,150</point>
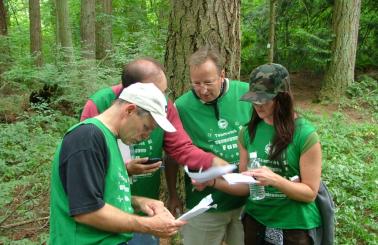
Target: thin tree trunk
<point>88,28</point>
<point>35,32</point>
<point>197,23</point>
<point>64,29</point>
<point>272,24</point>
<point>340,74</point>
<point>3,19</point>
<point>4,42</point>
<point>103,29</point>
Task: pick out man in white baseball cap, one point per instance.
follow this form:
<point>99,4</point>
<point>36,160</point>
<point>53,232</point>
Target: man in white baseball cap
<point>91,200</point>
<point>148,97</point>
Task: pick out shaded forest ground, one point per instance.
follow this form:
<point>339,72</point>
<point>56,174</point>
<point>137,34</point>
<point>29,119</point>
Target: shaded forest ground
<point>305,87</point>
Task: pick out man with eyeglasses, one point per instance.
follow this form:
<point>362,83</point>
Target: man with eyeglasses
<point>146,178</point>
<point>212,116</point>
<point>91,201</point>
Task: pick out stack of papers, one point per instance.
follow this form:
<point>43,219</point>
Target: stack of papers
<point>234,178</point>
<point>201,207</point>
<point>210,173</point>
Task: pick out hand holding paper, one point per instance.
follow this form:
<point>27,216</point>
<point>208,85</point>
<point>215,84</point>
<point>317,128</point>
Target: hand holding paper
<point>235,178</point>
<point>210,173</point>
<point>200,208</point>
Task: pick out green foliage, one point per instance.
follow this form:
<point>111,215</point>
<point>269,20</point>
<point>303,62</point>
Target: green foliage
<point>362,95</point>
<point>350,169</point>
<point>26,151</point>
<point>368,35</point>
<point>303,35</point>
<point>304,43</point>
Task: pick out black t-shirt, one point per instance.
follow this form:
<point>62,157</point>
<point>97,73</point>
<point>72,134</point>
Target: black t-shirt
<point>82,168</point>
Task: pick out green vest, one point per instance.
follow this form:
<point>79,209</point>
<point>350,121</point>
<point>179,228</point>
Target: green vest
<point>218,137</point>
<point>276,210</point>
<point>147,185</point>
<point>63,228</point>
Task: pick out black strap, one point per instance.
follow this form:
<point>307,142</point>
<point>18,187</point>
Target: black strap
<point>214,103</point>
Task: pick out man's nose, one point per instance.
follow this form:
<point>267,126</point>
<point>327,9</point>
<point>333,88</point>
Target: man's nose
<point>203,89</point>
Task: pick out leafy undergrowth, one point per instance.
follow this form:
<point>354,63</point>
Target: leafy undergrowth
<point>26,149</point>
<point>349,168</point>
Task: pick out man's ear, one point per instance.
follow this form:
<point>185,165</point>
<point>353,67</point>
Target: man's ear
<point>129,109</point>
<point>223,73</point>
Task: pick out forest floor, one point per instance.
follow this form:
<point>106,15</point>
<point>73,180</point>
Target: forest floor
<point>305,88</point>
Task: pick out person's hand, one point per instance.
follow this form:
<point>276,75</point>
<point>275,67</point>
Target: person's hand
<point>150,206</point>
<point>217,162</point>
<point>175,206</point>
<point>264,176</point>
<point>137,166</point>
<point>163,225</point>
<point>202,186</point>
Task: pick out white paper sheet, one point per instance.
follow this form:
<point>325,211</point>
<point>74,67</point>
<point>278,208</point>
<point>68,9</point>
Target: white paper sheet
<point>125,151</point>
<point>200,208</point>
<point>210,173</point>
<point>236,178</point>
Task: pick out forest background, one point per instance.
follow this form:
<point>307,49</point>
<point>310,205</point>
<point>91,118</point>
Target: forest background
<point>56,53</point>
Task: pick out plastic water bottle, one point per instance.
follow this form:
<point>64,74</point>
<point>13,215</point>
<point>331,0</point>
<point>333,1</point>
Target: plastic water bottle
<point>256,192</point>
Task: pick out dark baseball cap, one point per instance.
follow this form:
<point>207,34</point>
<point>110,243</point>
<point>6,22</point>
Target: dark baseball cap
<point>265,82</point>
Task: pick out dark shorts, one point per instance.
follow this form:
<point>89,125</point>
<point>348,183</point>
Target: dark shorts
<point>254,234</point>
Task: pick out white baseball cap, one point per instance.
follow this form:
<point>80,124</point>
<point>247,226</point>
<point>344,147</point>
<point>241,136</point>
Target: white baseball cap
<point>148,97</point>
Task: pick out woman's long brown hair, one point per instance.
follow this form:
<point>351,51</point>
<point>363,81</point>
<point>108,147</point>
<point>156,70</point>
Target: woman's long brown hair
<point>283,122</point>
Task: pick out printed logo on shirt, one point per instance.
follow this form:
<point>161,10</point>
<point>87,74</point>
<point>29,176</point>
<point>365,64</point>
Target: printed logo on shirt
<point>222,123</point>
<point>267,148</point>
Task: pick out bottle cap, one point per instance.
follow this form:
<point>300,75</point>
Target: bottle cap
<point>252,155</point>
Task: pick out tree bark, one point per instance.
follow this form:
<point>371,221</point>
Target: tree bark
<point>35,32</point>
<point>64,29</point>
<point>4,41</point>
<point>197,23</point>
<point>3,19</point>
<point>272,24</point>
<point>340,74</point>
<point>87,28</point>
<point>103,28</point>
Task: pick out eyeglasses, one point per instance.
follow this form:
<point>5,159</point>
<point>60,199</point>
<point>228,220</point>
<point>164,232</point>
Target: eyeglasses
<point>206,84</point>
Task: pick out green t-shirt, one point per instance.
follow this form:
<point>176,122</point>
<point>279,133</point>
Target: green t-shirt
<point>276,210</point>
<point>147,185</point>
<point>63,228</point>
<point>216,136</point>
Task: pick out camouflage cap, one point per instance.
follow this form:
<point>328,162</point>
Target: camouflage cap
<point>265,82</point>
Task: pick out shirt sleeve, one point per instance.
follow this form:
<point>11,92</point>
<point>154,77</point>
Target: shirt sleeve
<point>311,140</point>
<point>180,147</point>
<point>89,110</point>
<point>82,169</point>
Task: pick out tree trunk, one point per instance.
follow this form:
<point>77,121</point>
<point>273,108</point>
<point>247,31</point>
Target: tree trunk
<point>272,24</point>
<point>4,42</point>
<point>88,28</point>
<point>103,29</point>
<point>64,29</point>
<point>3,19</point>
<point>340,74</point>
<point>197,23</point>
<point>35,32</point>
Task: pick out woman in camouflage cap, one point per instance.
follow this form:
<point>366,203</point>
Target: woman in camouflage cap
<point>286,146</point>
<point>288,149</point>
